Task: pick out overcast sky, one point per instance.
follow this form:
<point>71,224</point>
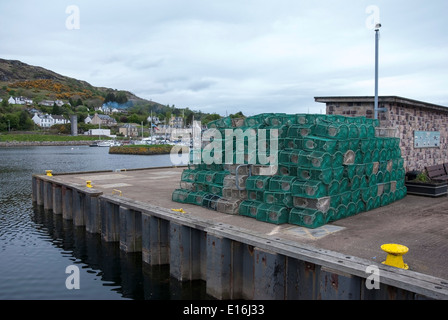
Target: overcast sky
<point>227,56</point>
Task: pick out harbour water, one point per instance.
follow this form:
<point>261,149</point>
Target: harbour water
<point>36,246</point>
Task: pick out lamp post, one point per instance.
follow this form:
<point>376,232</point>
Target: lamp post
<point>377,37</point>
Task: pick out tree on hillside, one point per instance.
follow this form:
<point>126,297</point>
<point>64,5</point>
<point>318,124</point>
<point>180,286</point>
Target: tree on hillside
<point>56,109</point>
<point>121,97</point>
<point>110,97</point>
<point>25,122</point>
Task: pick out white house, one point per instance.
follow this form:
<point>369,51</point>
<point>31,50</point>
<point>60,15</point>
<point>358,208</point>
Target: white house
<point>20,100</point>
<point>47,120</point>
<point>88,119</point>
<point>155,120</point>
<point>50,103</point>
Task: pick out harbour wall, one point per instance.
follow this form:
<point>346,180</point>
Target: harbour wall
<point>234,264</point>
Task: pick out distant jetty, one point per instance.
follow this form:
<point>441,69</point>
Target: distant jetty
<point>142,149</point>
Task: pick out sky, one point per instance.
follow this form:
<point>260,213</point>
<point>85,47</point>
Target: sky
<point>225,56</point>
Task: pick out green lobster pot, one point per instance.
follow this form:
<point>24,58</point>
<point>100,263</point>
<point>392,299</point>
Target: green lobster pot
<point>360,206</point>
<point>400,193</point>
<point>256,120</point>
<point>365,194</point>
<point>315,159</point>
<point>374,190</point>
<point>375,155</point>
<point>341,212</point>
<point>314,189</point>
<point>250,208</point>
<point>371,180</point>
<point>257,183</point>
<point>219,177</point>
<point>312,143</point>
<point>379,143</point>
<point>346,197</point>
<point>377,202</point>
<point>307,218</point>
<point>363,131</point>
<point>351,209</point>
<point>385,199</point>
<point>330,215</point>
<point>277,214</point>
<point>287,169</point>
<point>210,201</point>
<point>327,129</point>
<point>255,195</point>
<point>355,182</point>
<point>278,198</point>
<point>368,168</point>
<point>383,155</point>
<point>280,119</point>
<point>350,171</point>
<point>293,143</point>
<point>355,195</point>
<point>321,204</point>
<point>300,130</point>
<point>343,145</point>
<point>354,131</point>
<point>354,144</point>
<point>189,175</point>
<point>215,189</point>
<point>366,156</point>
<point>281,183</point>
<point>367,144</point>
<point>370,204</point>
<point>200,187</point>
<point>324,175</point>
<point>180,195</point>
<point>335,201</point>
<point>309,118</point>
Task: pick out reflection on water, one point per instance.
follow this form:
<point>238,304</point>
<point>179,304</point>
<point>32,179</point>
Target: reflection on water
<point>37,246</point>
<point>123,273</point>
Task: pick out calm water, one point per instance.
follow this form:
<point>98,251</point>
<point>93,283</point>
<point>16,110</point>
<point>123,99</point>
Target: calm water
<point>36,247</point>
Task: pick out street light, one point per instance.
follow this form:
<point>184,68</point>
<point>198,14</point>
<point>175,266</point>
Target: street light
<point>377,37</point>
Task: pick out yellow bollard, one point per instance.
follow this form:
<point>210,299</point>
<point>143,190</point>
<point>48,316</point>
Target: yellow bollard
<point>395,254</point>
<point>49,173</point>
<point>89,184</point>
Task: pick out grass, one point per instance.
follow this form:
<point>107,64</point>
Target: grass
<point>21,137</point>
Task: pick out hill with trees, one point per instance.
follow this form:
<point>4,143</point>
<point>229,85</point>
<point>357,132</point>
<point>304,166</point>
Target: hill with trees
<point>71,96</point>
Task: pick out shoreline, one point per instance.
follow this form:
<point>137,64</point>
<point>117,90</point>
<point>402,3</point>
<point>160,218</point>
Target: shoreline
<point>11,144</point>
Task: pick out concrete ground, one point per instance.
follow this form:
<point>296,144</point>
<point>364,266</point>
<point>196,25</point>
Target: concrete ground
<point>420,223</point>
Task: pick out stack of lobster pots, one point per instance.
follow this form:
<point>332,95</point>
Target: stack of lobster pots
<point>327,167</point>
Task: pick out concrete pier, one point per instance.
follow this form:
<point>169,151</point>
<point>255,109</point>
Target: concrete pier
<point>239,257</point>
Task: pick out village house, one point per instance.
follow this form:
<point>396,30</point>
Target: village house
<point>129,130</point>
<point>88,119</point>
<point>48,120</point>
<point>50,103</point>
<point>103,119</point>
<point>20,100</point>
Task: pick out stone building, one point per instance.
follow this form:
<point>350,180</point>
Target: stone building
<point>421,126</point>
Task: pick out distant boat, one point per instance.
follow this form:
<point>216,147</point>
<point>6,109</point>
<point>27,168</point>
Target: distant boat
<point>106,143</point>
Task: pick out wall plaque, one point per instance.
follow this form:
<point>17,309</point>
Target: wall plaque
<point>426,139</point>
